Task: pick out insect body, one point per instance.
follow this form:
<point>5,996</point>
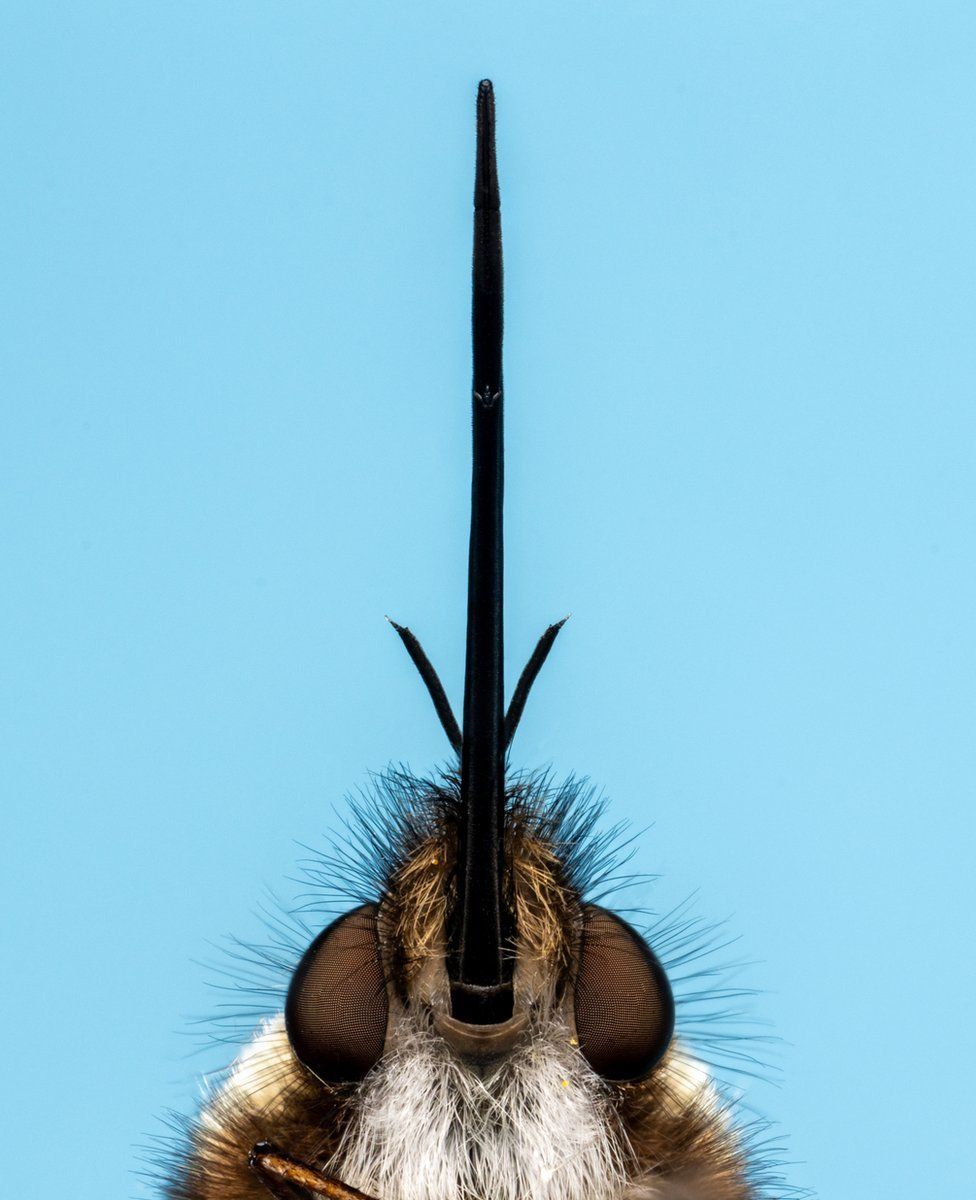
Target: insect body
<point>476,1027</point>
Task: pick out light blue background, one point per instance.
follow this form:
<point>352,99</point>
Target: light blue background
<point>740,419</point>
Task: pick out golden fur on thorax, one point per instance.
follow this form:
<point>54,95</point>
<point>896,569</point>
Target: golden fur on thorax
<point>675,1133</point>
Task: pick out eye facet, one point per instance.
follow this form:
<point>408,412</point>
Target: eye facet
<point>337,1008</point>
<point>623,1002</point>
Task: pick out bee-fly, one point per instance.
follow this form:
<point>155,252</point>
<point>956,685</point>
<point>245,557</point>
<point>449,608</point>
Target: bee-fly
<point>477,1027</point>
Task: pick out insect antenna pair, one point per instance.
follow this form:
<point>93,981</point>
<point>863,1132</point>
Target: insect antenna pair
<point>442,706</point>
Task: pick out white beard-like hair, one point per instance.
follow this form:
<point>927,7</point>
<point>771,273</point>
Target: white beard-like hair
<point>428,1126</point>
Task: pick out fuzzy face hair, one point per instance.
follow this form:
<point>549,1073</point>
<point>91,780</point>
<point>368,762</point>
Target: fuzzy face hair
<point>427,1123</point>
<point>536,1126</point>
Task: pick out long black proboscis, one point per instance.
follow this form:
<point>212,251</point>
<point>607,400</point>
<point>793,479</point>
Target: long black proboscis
<point>479,958</point>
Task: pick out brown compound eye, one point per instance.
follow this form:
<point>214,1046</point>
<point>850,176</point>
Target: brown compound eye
<point>337,1007</point>
<point>623,1003</point>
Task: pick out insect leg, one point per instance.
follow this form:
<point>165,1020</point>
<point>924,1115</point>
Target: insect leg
<point>288,1179</point>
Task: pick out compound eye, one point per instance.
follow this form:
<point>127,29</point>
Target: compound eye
<point>623,1002</point>
<point>337,1008</point>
